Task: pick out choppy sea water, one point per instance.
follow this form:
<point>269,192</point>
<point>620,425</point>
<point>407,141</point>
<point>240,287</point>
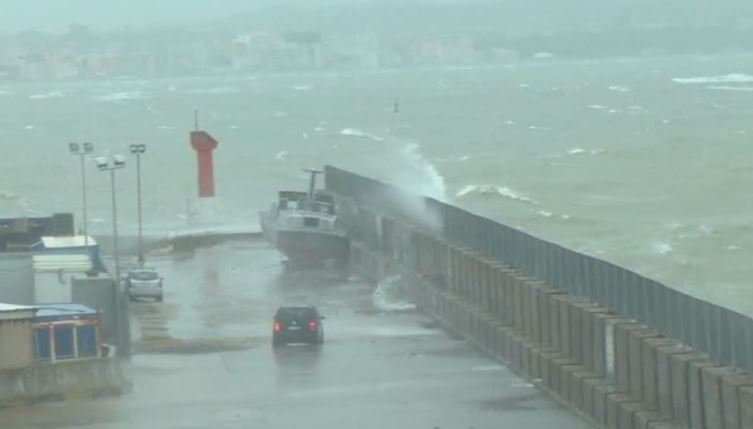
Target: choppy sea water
<point>646,163</point>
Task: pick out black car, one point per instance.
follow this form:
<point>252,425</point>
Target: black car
<point>297,325</point>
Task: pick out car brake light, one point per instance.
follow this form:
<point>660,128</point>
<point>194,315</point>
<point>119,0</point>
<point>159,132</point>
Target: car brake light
<point>278,326</point>
<point>313,325</point>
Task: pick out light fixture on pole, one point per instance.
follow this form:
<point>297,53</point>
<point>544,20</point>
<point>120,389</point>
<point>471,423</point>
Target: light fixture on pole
<point>116,162</point>
<point>82,151</point>
<point>138,150</point>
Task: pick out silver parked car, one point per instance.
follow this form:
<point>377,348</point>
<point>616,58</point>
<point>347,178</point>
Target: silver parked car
<point>144,283</point>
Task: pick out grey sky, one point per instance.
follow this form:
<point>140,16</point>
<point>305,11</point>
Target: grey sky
<point>57,15</point>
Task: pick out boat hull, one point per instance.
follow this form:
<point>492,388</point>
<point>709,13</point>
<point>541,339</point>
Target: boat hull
<point>308,248</point>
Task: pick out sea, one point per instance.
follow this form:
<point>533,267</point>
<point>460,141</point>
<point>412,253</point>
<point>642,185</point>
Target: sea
<point>647,163</point>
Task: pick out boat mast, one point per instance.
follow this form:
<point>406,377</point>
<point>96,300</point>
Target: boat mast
<point>312,182</point>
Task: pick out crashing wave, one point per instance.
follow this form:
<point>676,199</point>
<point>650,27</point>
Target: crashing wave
<point>492,190</point>
<point>385,297</point>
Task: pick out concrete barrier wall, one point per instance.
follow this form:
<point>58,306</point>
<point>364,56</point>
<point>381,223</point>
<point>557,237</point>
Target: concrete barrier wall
<point>618,373</point>
<point>61,380</point>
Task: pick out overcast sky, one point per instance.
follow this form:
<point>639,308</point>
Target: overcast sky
<point>57,15</point>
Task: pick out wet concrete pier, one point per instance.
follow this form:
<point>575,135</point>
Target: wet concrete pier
<point>204,359</point>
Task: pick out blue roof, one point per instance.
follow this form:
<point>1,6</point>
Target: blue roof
<point>51,312</point>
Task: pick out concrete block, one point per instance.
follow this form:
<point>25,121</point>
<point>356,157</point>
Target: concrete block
<point>563,314</point>
<point>588,345</point>
<point>516,350</point>
<point>642,419</point>
<point>696,370</point>
<point>589,387</point>
<point>650,368</point>
<point>600,407</point>
<point>746,407</point>
<point>545,367</point>
<point>533,295</point>
<point>626,414</point>
<point>711,384</point>
<point>525,358</point>
<point>622,353</point>
<point>731,399</point>
<point>535,361</point>
<point>663,425</point>
<point>578,338</point>
<point>664,375</point>
<point>613,409</point>
<point>509,297</point>
<point>517,298</point>
<point>577,397</point>
<point>638,364</point>
<point>681,398</point>
<point>600,342</point>
<point>548,314</point>
<point>567,381</point>
<point>555,372</point>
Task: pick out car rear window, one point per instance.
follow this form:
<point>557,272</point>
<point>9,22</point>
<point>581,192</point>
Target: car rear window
<point>144,275</point>
<point>302,313</point>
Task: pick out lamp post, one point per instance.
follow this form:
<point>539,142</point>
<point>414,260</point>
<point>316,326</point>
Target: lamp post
<point>111,164</point>
<point>82,151</point>
<point>138,150</point>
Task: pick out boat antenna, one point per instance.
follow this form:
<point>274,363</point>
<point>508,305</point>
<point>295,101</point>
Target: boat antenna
<point>397,106</point>
<point>196,119</point>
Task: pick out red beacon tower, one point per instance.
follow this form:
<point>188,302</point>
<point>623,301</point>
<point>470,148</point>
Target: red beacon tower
<point>204,145</point>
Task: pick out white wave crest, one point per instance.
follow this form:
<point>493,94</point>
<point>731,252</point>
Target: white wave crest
<point>386,296</point>
<point>727,78</point>
<point>661,248</point>
<point>282,155</point>
<point>492,190</point>
<point>215,90</point>
<point>123,96</point>
<point>617,88</point>
<point>581,151</point>
<point>303,88</point>
<point>730,88</point>
<point>354,132</point>
<point>51,94</point>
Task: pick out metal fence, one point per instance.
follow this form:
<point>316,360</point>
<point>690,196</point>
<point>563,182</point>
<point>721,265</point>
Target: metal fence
<point>725,335</point>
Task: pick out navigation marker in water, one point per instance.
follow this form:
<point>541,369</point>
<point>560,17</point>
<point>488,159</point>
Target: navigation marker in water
<point>204,144</point>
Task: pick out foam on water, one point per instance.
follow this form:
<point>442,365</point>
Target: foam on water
<point>215,90</point>
<point>51,94</point>
<point>122,96</point>
<point>492,190</point>
<point>661,248</point>
<point>386,296</point>
<point>354,132</point>
<point>727,78</point>
<point>618,88</point>
<point>282,155</point>
<point>731,88</point>
<point>302,88</point>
